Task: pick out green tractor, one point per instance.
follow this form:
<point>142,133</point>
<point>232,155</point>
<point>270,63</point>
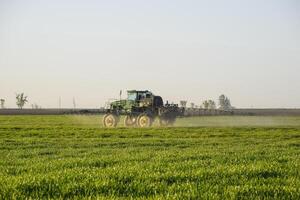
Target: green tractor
<point>140,110</point>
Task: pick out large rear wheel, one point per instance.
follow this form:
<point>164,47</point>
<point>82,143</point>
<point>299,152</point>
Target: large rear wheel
<point>110,120</point>
<point>144,121</point>
<point>130,121</point>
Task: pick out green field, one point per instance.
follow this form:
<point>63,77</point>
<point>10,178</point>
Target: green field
<point>73,157</point>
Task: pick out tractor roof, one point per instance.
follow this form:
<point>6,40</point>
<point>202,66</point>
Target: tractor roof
<point>137,91</point>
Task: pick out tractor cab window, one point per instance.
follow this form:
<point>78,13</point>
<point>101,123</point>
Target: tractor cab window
<point>141,96</point>
<point>132,96</point>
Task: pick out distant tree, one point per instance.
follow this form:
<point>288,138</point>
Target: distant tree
<point>224,103</point>
<point>2,102</point>
<point>21,100</point>
<point>209,104</point>
<point>183,103</point>
<point>205,104</point>
<point>192,105</point>
<point>227,103</point>
<point>35,106</point>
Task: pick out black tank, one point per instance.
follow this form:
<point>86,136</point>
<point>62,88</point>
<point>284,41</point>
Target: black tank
<point>158,101</point>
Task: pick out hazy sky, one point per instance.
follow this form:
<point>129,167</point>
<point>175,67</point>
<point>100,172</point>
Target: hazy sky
<point>193,50</point>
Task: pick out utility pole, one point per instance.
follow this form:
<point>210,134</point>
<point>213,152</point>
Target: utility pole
<point>59,102</point>
<point>74,103</point>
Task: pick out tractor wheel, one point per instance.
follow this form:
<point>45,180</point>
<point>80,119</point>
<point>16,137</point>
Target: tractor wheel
<point>144,121</point>
<point>110,120</point>
<point>129,121</point>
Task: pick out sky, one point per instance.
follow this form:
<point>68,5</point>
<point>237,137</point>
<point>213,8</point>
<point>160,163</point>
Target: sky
<point>191,50</point>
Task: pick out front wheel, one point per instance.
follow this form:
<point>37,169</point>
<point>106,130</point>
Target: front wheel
<point>110,120</point>
<point>144,121</point>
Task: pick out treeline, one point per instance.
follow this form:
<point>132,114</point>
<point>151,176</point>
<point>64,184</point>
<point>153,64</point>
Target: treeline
<point>224,104</point>
<point>21,100</point>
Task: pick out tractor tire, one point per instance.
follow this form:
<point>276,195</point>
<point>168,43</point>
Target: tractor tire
<point>144,121</point>
<point>110,120</point>
<point>130,121</point>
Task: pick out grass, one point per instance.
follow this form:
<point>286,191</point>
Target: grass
<point>73,157</point>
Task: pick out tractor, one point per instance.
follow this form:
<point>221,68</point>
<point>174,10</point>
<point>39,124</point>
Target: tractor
<point>140,110</point>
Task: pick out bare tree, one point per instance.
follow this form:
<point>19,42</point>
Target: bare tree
<point>183,103</point>
<point>209,104</point>
<point>35,106</point>
<point>21,100</point>
<point>205,104</point>
<point>2,102</point>
<point>192,105</point>
<point>224,103</point>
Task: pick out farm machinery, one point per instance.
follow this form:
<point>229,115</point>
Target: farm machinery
<point>141,108</point>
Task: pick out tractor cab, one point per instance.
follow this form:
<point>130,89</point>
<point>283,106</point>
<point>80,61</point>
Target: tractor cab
<point>134,95</point>
<point>141,98</point>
